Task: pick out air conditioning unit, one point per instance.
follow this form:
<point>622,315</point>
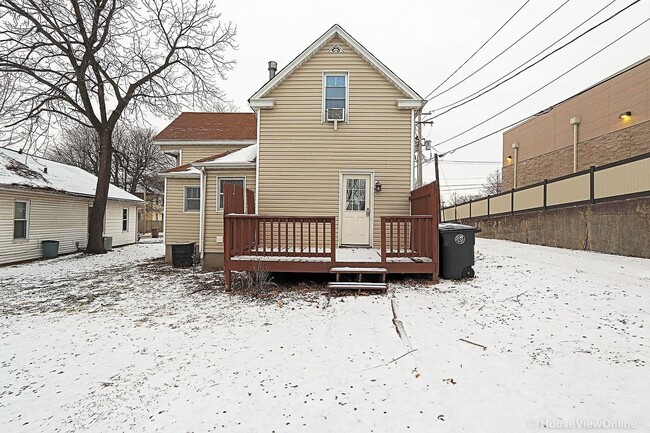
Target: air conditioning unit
<point>335,114</point>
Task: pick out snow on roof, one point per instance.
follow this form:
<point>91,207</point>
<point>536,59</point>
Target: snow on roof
<point>242,157</point>
<point>28,171</point>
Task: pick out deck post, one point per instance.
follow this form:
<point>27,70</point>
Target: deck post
<point>383,240</point>
<point>226,250</point>
<point>332,239</point>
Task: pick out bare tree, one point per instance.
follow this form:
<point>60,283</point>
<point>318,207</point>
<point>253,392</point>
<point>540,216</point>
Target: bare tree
<point>94,61</point>
<point>493,184</point>
<point>136,162</point>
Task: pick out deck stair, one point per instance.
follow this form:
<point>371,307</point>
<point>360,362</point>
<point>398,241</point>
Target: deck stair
<point>359,284</point>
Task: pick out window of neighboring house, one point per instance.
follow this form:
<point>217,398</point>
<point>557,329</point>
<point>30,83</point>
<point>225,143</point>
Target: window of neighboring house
<point>125,220</point>
<point>21,219</point>
<point>336,92</point>
<point>192,199</point>
<point>239,181</point>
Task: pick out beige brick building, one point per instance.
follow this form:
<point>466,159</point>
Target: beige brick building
<point>590,128</point>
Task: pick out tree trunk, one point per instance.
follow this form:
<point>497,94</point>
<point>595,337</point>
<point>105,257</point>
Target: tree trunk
<point>96,223</point>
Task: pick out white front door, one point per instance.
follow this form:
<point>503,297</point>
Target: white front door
<point>355,212</point>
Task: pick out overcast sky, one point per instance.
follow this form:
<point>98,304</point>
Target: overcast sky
<point>425,41</point>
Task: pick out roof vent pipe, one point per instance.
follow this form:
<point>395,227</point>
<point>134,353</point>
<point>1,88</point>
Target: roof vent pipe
<point>273,68</point>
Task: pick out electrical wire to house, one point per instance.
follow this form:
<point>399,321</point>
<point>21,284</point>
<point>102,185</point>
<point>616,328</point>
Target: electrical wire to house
<point>528,96</point>
<point>499,82</point>
<point>479,49</point>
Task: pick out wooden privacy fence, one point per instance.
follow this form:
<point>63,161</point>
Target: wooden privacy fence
<point>622,179</point>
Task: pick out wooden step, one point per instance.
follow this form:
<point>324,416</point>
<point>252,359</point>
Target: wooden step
<point>350,270</point>
<point>357,286</point>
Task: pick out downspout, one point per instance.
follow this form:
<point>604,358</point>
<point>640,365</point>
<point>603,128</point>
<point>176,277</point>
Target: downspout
<point>202,214</point>
<point>575,121</point>
<point>257,165</point>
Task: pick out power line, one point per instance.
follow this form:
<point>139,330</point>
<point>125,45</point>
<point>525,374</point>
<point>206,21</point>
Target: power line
<point>479,49</point>
<point>477,94</point>
<point>504,51</point>
<point>469,162</point>
<point>533,93</point>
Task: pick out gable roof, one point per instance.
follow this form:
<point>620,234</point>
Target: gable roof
<point>20,170</point>
<point>333,32</point>
<point>190,126</point>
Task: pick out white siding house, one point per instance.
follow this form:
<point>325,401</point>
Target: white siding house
<point>45,200</point>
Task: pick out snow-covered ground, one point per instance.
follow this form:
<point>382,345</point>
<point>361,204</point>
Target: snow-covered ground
<point>121,342</point>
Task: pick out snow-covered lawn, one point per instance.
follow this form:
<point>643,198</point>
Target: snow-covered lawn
<point>123,343</point>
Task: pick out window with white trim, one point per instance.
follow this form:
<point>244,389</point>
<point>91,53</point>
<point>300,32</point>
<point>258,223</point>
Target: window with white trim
<point>21,219</point>
<point>239,181</point>
<point>336,91</point>
<point>192,199</point>
<point>125,219</point>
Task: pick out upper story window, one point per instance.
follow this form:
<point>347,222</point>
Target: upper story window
<point>336,93</point>
<point>192,199</point>
<point>21,218</point>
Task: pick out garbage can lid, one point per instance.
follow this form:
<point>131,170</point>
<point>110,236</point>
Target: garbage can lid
<point>448,227</point>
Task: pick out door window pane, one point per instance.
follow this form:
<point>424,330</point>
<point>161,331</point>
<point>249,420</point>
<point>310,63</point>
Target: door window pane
<point>355,194</point>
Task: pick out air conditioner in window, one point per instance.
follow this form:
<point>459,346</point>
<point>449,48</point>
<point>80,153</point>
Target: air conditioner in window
<point>335,114</point>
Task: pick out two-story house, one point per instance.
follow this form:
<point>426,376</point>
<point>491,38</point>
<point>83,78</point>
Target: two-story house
<point>331,136</point>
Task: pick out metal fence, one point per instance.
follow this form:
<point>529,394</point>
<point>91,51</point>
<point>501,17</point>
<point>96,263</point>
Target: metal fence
<point>627,178</point>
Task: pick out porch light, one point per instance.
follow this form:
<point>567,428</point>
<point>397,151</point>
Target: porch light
<point>509,159</point>
<point>626,115</point>
<point>377,186</point>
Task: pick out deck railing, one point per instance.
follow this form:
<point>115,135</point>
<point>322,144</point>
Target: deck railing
<point>408,236</point>
<point>285,236</point>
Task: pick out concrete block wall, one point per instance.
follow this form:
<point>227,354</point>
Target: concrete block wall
<point>614,227</point>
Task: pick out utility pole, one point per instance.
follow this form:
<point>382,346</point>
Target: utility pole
<point>419,184</point>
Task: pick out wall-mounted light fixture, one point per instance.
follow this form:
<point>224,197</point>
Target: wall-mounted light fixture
<point>625,115</point>
<point>509,159</point>
<point>378,186</point>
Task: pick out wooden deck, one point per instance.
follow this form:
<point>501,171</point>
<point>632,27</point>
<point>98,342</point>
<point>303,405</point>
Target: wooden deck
<point>307,244</point>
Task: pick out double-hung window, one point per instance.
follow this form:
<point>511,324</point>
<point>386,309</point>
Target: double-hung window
<point>239,181</point>
<point>125,219</point>
<point>192,199</point>
<point>336,91</point>
<point>21,219</point>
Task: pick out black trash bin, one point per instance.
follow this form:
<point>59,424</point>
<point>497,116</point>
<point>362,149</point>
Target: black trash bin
<point>182,255</point>
<point>457,251</point>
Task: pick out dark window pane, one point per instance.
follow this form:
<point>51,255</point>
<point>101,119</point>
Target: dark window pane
<point>20,229</point>
<point>20,210</point>
<point>192,205</point>
<point>335,93</point>
<point>335,103</point>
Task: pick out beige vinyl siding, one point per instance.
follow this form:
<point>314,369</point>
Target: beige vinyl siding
<point>214,218</point>
<point>301,157</point>
<point>192,152</point>
<point>56,217</point>
<point>113,225</point>
<point>180,226</point>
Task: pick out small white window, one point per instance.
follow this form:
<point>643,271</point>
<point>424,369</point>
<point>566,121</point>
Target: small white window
<point>125,219</point>
<point>239,181</point>
<point>21,219</point>
<point>335,92</point>
<point>192,199</point>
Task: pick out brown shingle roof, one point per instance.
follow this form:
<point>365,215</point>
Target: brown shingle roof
<point>180,168</point>
<point>211,126</point>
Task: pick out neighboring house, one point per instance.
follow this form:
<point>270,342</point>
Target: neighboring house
<point>608,122</point>
<point>151,213</point>
<point>332,135</point>
<point>46,200</point>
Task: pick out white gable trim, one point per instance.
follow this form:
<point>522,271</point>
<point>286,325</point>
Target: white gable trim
<point>336,30</point>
